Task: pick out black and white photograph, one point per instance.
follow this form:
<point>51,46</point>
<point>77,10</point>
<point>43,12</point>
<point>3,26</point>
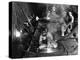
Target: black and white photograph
<point>42,29</point>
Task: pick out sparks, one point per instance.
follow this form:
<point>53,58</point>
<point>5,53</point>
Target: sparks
<point>17,33</point>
